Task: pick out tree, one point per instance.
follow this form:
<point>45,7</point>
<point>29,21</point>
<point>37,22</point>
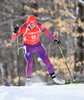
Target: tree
<point>61,18</point>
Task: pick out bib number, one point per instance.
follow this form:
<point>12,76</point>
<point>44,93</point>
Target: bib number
<point>33,37</point>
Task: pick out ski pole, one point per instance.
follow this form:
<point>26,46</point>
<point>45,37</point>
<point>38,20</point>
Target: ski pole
<point>18,56</point>
<point>65,62</point>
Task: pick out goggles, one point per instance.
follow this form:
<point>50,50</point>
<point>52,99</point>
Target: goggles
<point>31,25</point>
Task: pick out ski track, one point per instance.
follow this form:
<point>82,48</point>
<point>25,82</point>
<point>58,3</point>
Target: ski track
<point>40,91</point>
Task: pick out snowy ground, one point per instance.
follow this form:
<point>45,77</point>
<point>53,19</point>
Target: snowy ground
<point>42,92</point>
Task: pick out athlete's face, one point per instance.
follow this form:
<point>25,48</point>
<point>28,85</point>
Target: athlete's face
<point>32,26</point>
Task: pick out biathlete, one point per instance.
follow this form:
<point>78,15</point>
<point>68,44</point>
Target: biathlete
<point>31,43</point>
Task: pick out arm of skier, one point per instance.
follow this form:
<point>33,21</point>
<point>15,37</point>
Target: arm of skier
<point>57,41</point>
<point>47,32</point>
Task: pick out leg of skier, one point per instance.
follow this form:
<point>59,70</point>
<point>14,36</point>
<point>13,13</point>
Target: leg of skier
<point>41,52</point>
<point>29,60</point>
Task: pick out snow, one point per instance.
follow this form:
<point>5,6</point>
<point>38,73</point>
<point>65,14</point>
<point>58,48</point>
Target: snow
<point>42,92</point>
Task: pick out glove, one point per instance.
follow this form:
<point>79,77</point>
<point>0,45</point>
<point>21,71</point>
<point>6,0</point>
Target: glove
<point>14,35</point>
<point>57,41</point>
<point>16,29</point>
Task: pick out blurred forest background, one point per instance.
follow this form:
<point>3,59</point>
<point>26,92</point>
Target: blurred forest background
<point>63,18</point>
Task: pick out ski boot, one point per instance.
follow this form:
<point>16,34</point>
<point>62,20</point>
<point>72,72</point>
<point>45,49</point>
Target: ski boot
<point>57,80</point>
<point>28,81</point>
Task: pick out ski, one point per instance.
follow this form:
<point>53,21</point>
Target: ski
<point>69,83</point>
<point>75,82</point>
